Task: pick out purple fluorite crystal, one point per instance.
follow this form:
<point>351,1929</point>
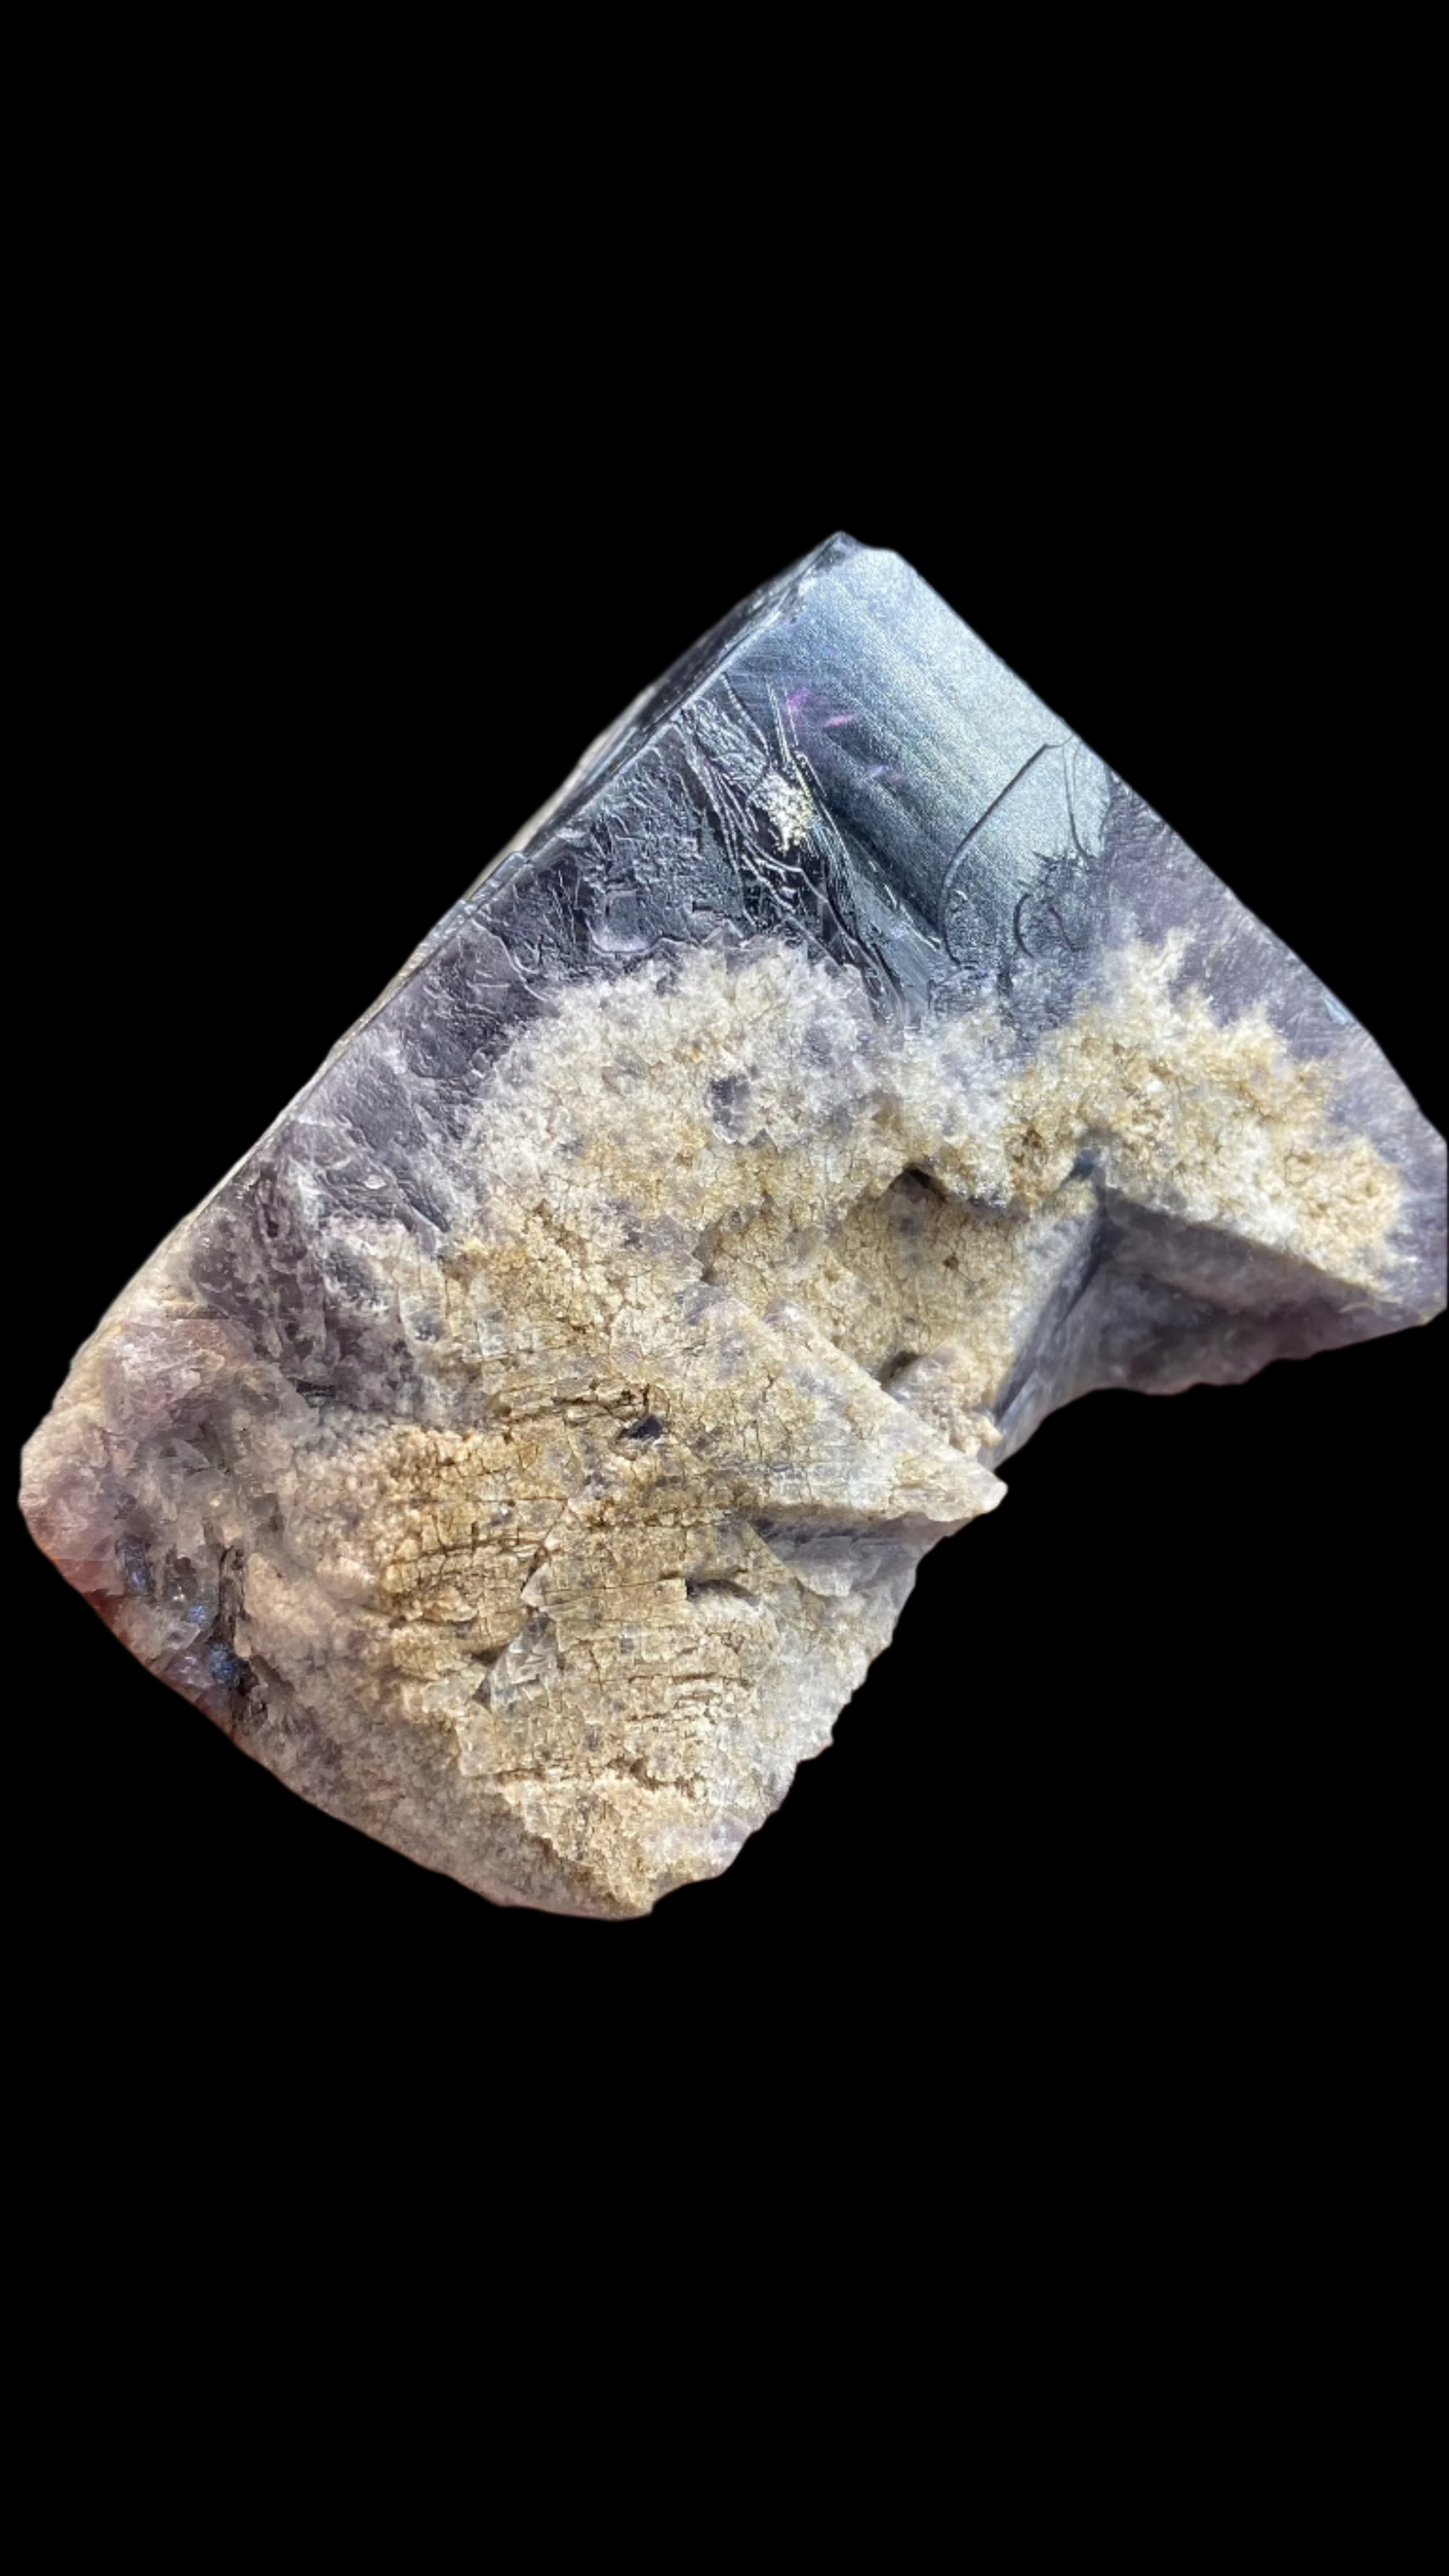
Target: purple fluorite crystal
<point>526,1449</point>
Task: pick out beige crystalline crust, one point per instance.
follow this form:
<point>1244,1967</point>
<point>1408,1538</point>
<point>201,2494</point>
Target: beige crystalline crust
<point>748,1273</point>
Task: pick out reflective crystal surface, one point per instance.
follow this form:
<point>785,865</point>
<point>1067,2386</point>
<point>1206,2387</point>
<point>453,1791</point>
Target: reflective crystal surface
<point>525,1451</point>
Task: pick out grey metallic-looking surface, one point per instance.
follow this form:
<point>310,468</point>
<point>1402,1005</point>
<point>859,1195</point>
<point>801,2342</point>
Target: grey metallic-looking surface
<point>530,1488</point>
<point>962,841</point>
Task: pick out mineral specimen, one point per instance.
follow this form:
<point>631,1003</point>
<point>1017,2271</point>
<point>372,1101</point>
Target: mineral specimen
<point>526,1450</point>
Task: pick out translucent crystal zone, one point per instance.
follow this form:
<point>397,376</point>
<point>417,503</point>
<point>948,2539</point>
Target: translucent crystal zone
<point>526,1449</point>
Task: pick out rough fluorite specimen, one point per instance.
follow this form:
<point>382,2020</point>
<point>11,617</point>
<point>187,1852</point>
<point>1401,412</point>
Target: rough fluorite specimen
<point>526,1450</point>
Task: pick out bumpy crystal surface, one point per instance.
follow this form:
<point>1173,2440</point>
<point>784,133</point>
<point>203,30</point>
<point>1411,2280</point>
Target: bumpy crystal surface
<point>525,1451</point>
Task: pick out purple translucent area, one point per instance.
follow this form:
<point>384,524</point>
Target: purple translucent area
<point>962,847</point>
<point>841,769</point>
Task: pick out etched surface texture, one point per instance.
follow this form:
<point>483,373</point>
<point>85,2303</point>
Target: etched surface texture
<point>527,1448</point>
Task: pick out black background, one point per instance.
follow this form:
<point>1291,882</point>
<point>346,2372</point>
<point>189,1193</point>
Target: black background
<point>1137,1788</point>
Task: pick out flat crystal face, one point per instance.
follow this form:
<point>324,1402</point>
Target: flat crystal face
<point>526,1449</point>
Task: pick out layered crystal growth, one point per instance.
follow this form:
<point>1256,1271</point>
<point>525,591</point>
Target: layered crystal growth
<point>526,1450</point>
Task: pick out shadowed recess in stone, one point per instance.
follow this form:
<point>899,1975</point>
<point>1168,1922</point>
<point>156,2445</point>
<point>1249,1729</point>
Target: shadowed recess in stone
<point>526,1450</point>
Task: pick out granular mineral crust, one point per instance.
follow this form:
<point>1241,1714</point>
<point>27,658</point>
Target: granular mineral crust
<point>525,1452</point>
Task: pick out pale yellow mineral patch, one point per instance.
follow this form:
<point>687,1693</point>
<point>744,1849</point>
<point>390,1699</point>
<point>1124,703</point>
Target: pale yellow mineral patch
<point>718,1347</point>
<point>747,1275</point>
<point>1214,1125</point>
